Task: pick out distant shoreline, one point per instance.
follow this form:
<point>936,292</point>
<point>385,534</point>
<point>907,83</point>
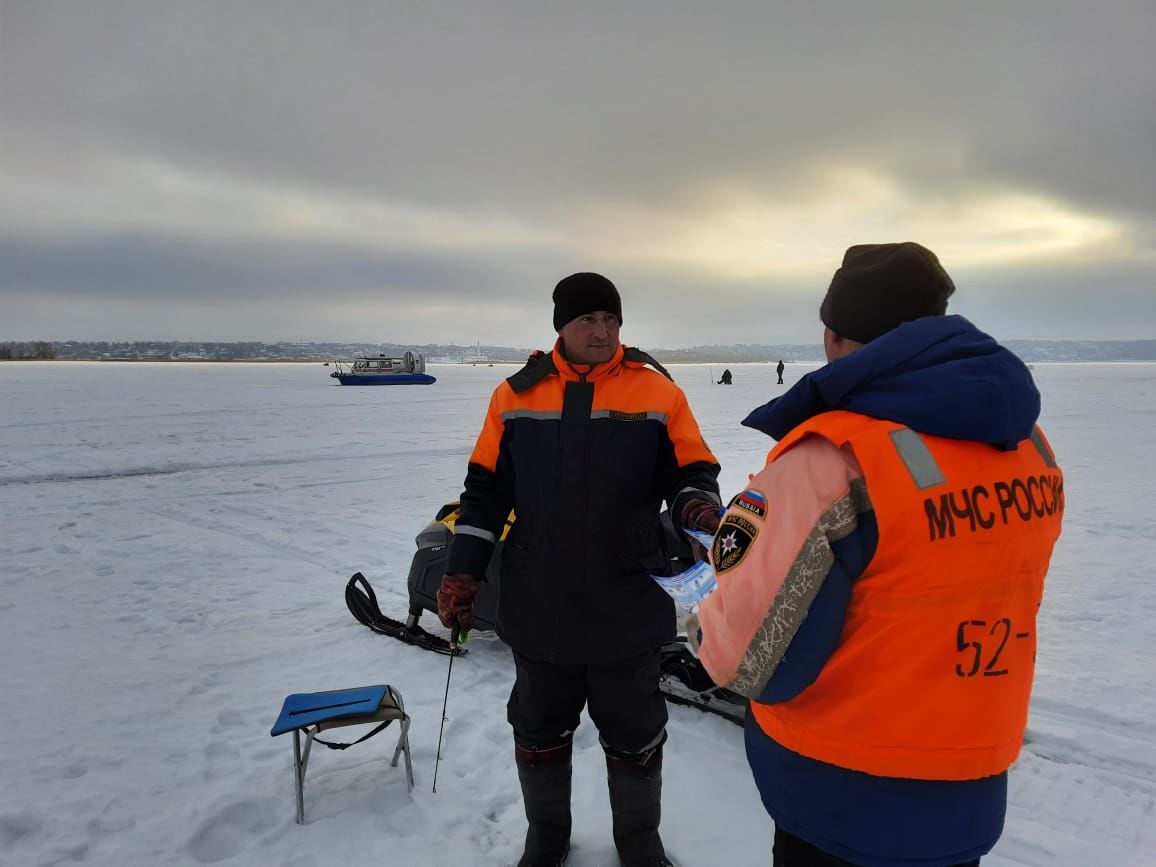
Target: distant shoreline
<point>302,352</point>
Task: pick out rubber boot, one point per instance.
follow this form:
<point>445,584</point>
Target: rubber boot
<point>545,779</point>
<point>636,805</point>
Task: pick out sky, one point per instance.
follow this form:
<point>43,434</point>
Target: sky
<point>425,173</point>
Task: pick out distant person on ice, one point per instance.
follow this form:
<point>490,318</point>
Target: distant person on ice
<point>878,580</point>
<point>779,370</point>
<point>584,443</point>
<point>726,377</point>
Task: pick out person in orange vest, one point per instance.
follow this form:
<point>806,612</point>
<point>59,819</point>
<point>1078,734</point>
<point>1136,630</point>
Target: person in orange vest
<point>584,443</point>
<point>878,579</point>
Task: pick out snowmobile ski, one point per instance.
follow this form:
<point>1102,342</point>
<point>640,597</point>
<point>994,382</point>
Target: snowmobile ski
<point>362,603</point>
<point>684,681</point>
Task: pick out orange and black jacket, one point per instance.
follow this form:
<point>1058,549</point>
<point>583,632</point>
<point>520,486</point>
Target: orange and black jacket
<point>585,456</point>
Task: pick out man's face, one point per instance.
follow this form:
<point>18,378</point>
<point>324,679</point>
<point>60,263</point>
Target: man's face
<point>591,338</point>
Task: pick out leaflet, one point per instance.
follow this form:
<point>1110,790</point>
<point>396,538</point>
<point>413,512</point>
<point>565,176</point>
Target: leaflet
<point>689,588</point>
<point>702,537</point>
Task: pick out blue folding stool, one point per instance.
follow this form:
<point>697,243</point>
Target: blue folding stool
<point>315,712</point>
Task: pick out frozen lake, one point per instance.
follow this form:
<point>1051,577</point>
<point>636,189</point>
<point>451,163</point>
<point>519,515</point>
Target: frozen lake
<point>175,540</point>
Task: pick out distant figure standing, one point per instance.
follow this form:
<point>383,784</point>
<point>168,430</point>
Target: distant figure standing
<point>780,370</point>
<point>726,377</point>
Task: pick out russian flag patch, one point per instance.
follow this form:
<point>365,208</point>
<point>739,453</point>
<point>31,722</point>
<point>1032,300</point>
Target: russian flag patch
<point>752,501</point>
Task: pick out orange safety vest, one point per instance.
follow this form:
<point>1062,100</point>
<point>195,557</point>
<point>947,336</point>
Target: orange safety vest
<point>933,672</point>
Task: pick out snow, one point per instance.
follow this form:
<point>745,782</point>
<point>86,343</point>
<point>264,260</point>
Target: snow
<point>175,541</point>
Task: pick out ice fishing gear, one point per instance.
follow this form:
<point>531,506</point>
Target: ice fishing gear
<point>456,637</point>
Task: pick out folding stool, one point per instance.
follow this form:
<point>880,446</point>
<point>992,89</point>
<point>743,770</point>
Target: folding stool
<point>315,712</point>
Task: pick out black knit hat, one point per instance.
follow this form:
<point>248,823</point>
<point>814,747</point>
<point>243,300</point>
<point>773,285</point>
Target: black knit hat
<point>581,293</point>
<point>883,285</point>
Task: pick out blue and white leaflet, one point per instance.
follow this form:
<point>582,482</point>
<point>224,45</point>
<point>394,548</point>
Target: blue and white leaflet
<point>689,588</point>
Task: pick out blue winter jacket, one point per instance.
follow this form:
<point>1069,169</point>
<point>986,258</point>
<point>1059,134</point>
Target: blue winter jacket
<point>940,376</point>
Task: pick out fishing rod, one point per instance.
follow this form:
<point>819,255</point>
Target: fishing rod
<point>457,637</point>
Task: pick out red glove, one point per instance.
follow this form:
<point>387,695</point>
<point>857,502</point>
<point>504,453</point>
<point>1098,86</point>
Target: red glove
<point>700,515</point>
<point>456,600</point>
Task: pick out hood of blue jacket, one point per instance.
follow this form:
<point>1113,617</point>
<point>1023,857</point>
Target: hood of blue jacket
<point>939,375</point>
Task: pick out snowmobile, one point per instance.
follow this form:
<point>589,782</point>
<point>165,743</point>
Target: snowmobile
<point>683,679</point>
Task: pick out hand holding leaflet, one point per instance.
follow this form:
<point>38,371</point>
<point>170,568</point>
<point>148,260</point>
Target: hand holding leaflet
<point>700,520</point>
<point>689,588</point>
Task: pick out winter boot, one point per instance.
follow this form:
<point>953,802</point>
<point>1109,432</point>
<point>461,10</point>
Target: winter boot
<point>545,779</point>
<point>635,781</point>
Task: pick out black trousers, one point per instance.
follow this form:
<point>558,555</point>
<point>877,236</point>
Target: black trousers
<point>621,696</point>
<point>792,851</point>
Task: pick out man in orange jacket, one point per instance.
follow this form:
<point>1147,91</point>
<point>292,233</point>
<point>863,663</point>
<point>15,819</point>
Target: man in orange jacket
<point>878,580</point>
<point>584,443</point>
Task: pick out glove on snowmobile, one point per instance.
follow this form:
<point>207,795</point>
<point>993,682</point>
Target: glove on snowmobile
<point>456,600</point>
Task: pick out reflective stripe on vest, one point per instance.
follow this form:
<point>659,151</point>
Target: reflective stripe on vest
<point>933,672</point>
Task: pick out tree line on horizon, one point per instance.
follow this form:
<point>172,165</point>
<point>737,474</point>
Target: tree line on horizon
<point>27,351</point>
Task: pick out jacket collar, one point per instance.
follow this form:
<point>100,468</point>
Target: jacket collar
<point>938,375</point>
<point>574,372</point>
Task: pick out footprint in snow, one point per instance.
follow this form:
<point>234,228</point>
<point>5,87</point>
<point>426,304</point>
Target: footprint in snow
<point>231,830</point>
<point>16,826</point>
<point>228,719</point>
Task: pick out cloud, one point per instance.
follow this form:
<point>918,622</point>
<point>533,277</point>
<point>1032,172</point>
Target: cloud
<point>459,157</point>
<point>736,234</point>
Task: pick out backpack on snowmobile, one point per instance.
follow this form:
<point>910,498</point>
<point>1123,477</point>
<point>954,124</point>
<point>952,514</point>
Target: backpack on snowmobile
<point>683,679</point>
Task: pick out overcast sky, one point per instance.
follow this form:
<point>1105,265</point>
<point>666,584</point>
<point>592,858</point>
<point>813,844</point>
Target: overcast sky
<point>425,172</point>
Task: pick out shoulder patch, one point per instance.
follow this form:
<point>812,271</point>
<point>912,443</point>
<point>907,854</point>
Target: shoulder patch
<point>751,501</point>
<point>620,415</point>
<point>731,542</point>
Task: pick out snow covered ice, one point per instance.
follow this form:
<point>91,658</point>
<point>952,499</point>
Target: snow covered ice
<point>175,541</point>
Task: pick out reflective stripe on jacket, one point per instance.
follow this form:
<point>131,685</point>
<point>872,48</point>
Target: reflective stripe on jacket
<point>933,671</point>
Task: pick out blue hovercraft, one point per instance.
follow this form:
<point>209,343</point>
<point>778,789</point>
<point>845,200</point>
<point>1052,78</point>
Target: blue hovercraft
<point>408,369</point>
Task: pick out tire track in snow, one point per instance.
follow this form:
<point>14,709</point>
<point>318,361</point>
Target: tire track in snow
<point>172,469</point>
